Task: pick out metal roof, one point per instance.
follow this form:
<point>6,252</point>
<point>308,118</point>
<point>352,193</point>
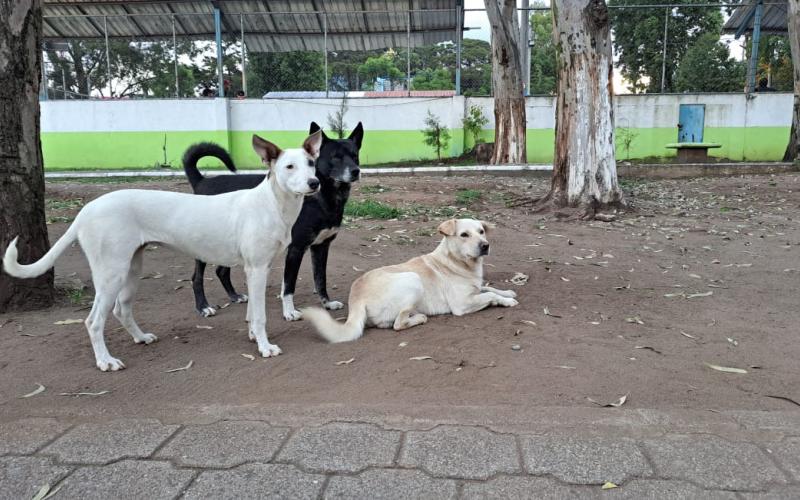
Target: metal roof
<point>774,19</point>
<point>269,26</point>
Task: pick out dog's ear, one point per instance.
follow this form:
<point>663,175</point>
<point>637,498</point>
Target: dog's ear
<point>266,150</point>
<point>487,226</point>
<point>448,227</point>
<point>313,128</point>
<point>312,144</point>
<point>357,135</point>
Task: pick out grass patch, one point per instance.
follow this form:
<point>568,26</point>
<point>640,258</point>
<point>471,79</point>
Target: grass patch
<point>377,188</point>
<point>63,204</point>
<point>111,180</point>
<point>468,196</point>
<point>371,209</point>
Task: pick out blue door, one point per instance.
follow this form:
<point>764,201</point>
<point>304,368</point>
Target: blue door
<point>690,122</point>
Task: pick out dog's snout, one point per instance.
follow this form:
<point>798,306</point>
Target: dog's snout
<point>484,248</point>
<point>355,173</point>
<point>313,183</point>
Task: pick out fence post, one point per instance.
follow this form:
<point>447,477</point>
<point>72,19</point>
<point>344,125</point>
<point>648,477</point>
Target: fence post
<point>244,58</point>
<point>664,54</point>
<point>218,38</point>
<point>751,77</point>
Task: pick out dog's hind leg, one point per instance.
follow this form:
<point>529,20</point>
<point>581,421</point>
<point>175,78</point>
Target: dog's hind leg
<point>256,309</point>
<point>123,308</point>
<point>200,302</point>
<point>319,261</point>
<point>294,257</point>
<point>224,275</point>
<point>108,284</point>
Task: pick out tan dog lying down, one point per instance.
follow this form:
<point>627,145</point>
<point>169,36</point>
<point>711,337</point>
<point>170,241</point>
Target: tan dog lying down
<point>447,280</point>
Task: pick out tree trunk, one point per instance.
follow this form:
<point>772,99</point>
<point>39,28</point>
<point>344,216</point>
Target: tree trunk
<point>794,42</point>
<point>21,172</point>
<point>584,168</point>
<point>509,102</point>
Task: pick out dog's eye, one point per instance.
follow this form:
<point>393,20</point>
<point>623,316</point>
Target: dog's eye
<point>480,232</point>
<point>464,235</point>
<point>289,167</point>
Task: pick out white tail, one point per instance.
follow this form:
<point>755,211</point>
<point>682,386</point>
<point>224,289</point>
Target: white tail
<point>41,266</point>
<point>334,331</point>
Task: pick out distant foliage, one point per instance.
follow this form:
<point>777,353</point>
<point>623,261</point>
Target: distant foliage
<point>708,67</point>
<point>336,121</point>
<point>436,134</point>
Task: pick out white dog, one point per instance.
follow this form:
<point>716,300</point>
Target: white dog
<point>250,227</point>
<point>447,280</point>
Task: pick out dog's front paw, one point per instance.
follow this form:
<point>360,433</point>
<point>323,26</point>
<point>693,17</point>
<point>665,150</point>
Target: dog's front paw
<point>208,311</point>
<point>109,363</point>
<point>239,298</point>
<point>333,305</point>
<point>511,294</point>
<point>270,350</point>
<point>292,315</point>
<point>506,302</point>
<point>146,338</point>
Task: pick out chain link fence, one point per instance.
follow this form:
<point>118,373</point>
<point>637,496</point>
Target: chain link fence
<point>670,48</point>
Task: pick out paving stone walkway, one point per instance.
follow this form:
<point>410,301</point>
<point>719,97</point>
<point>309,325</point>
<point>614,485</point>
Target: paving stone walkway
<point>748,456</point>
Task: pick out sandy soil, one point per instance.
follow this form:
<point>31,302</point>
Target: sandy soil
<point>701,271</point>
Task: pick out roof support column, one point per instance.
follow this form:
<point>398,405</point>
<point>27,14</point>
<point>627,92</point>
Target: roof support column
<point>325,47</point>
<point>751,71</point>
<point>244,57</point>
<point>408,53</point>
<point>525,46</point>
<point>459,38</point>
<point>218,38</point>
<point>175,56</point>
<point>664,53</point>
<point>108,58</point>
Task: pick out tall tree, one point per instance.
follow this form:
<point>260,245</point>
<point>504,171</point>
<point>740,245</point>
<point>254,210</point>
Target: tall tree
<point>708,67</point>
<point>793,149</point>
<point>21,171</point>
<point>274,71</point>
<point>509,102</point>
<point>584,168</point>
<point>639,39</point>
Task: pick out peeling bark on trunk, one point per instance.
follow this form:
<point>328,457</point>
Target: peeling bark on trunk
<point>584,167</point>
<point>792,149</point>
<point>509,102</point>
<point>21,172</point>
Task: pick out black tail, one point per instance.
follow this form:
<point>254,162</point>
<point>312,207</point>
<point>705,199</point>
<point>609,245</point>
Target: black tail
<point>201,150</point>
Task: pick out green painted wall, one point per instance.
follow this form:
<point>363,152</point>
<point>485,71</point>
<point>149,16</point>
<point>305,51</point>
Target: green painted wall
<point>144,150</point>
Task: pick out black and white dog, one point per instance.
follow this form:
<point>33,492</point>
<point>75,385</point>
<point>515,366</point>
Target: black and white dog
<point>320,218</point>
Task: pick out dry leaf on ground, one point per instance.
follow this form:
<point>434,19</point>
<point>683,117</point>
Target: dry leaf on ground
<point>182,368</point>
<point>68,322</point>
<point>249,356</point>
<point>519,279</point>
<point>83,393</point>
<point>420,358</point>
<point>36,391</point>
<point>616,404</point>
<point>345,362</point>
<point>726,369</point>
<point>608,485</point>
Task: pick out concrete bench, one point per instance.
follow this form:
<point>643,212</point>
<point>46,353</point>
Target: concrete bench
<point>693,152</point>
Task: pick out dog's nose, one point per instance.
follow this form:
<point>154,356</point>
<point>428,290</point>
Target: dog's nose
<point>484,248</point>
<point>313,183</point>
<point>355,173</point>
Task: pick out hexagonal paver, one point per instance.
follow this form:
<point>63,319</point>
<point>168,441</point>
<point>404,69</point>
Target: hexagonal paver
<point>524,488</point>
<point>224,444</point>
<point>341,447</point>
<point>106,442</point>
<point>256,481</point>
<point>584,460</point>
<point>128,479</point>
<point>26,436</point>
<point>788,455</point>
<point>390,484</point>
<point>462,452</point>
<point>713,462</point>
<point>22,477</point>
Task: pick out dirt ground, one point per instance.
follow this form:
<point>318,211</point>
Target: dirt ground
<point>701,271</point>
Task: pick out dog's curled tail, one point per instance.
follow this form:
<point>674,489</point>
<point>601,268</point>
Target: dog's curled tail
<point>201,150</point>
<point>334,331</point>
<point>41,266</point>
